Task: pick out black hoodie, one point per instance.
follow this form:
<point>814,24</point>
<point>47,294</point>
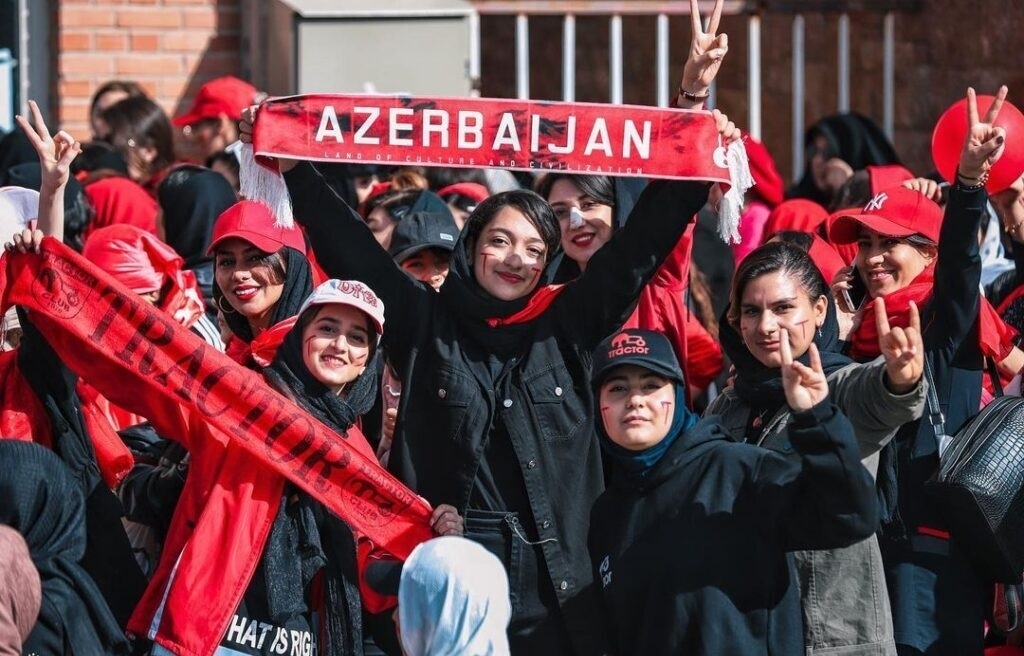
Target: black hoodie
<point>692,560</point>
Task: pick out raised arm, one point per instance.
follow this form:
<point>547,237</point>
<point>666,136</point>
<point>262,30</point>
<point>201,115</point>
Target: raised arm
<point>958,270</point>
<point>55,156</point>
<point>827,498</point>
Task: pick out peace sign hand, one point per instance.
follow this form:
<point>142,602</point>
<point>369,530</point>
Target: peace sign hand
<point>805,386</point>
<point>707,50</point>
<point>984,144</point>
<point>55,153</point>
<point>903,349</point>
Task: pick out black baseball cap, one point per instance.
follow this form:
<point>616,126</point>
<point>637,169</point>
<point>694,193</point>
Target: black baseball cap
<point>643,348</point>
<point>420,230</point>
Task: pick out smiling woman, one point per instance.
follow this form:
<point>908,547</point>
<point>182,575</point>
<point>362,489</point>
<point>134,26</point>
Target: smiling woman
<point>261,276</point>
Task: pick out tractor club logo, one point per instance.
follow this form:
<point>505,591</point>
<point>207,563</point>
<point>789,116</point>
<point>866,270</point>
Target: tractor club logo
<point>626,344</point>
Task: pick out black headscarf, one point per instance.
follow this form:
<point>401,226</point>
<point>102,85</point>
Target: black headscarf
<point>39,499</point>
<point>627,191</point>
<point>473,306</point>
<point>191,198</point>
<point>298,284</point>
<point>852,137</point>
<point>760,386</point>
<point>306,537</point>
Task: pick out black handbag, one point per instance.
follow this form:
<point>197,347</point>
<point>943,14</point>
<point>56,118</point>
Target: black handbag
<point>980,481</point>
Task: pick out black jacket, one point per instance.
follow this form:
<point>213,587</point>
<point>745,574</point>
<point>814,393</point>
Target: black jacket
<point>455,399</point>
<point>693,560</point>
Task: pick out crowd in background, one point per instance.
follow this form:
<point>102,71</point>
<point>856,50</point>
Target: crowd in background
<point>634,438</point>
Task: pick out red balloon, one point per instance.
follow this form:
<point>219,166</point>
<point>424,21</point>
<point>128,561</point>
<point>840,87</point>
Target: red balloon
<point>951,130</point>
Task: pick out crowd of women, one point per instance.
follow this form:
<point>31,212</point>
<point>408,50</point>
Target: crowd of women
<point>626,436</point>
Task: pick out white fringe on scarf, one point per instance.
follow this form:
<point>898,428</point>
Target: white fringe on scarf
<point>740,181</point>
<point>257,182</point>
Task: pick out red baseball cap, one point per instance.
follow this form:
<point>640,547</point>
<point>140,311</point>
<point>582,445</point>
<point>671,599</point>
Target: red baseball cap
<point>224,95</point>
<point>895,212</point>
<point>254,222</point>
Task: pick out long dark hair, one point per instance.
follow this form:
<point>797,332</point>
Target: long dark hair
<point>776,257</point>
<point>531,205</point>
<point>138,122</point>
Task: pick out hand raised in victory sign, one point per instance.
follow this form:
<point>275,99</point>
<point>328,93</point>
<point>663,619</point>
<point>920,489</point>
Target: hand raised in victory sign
<point>985,143</point>
<point>55,156</point>
<point>902,348</point>
<point>805,386</point>
<point>707,50</point>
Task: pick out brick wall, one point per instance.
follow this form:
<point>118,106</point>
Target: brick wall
<point>169,46</point>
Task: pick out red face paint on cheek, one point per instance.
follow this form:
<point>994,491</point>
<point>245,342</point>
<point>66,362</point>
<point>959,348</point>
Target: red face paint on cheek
<point>666,406</point>
<point>536,272</point>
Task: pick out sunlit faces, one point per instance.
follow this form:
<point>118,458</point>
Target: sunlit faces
<point>509,256</point>
<point>381,225</point>
<point>429,265</point>
<point>887,264</point>
<point>336,345</point>
<point>772,302</point>
<point>582,242</point>
<point>249,283</point>
<point>637,406</point>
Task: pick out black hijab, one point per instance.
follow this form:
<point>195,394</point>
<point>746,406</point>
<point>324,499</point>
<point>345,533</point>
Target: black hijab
<point>191,198</point>
<point>760,386</point>
<point>39,499</point>
<point>469,302</point>
<point>306,538</point>
<point>627,191</point>
<point>852,137</point>
<point>298,284</point>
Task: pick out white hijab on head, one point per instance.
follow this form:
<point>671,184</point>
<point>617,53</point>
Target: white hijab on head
<point>453,600</point>
<point>18,206</point>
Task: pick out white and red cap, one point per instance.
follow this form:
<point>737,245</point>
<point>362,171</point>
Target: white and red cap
<point>351,293</point>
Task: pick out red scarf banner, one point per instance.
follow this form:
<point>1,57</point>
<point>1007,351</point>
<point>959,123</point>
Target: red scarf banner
<point>527,135</point>
<point>101,329</point>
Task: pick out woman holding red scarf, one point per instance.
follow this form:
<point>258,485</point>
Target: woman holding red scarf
<point>909,253</point>
<point>496,417</point>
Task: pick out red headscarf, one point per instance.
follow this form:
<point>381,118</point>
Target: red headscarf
<point>768,184</point>
<point>146,264</point>
<point>121,201</point>
<point>797,214</point>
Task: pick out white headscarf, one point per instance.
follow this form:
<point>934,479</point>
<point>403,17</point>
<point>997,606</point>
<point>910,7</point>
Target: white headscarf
<point>453,600</point>
<point>18,206</point>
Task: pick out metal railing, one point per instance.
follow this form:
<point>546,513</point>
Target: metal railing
<point>614,10</point>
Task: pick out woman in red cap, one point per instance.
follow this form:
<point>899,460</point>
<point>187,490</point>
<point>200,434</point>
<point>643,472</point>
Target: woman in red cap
<point>261,276</point>
<point>910,255</point>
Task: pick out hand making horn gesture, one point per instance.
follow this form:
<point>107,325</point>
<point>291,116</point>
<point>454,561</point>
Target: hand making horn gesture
<point>805,386</point>
<point>902,348</point>
<point>707,50</point>
<point>985,142</point>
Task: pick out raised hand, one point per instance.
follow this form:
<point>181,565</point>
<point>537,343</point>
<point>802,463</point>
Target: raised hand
<point>902,348</point>
<point>245,136</point>
<point>707,50</point>
<point>26,241</point>
<point>985,143</point>
<point>55,153</point>
<point>805,387</point>
<point>930,188</point>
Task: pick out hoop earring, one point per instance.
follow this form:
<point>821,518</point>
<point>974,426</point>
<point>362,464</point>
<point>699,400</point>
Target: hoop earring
<point>220,306</point>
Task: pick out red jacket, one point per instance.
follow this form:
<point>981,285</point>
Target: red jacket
<point>218,532</point>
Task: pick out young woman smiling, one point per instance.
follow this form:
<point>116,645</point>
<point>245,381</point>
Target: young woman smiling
<point>779,301</point>
<point>494,418</point>
<point>910,254</point>
<point>261,275</point>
